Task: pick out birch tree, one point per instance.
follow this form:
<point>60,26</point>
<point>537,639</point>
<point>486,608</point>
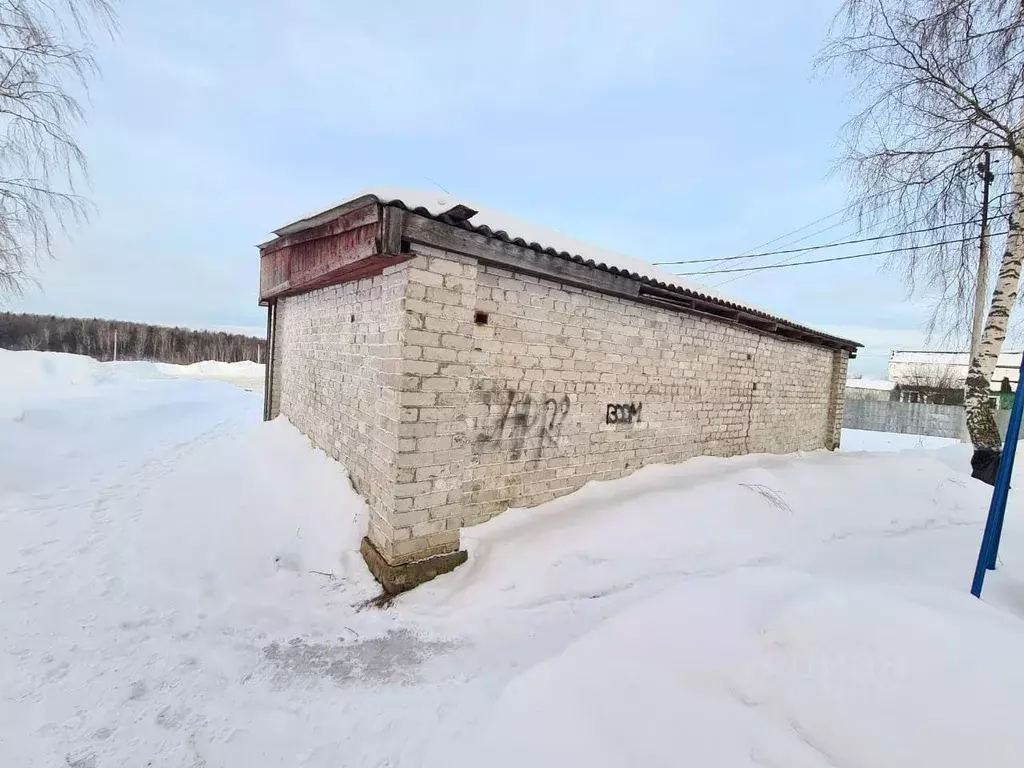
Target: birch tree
<point>941,81</point>
<point>45,64</point>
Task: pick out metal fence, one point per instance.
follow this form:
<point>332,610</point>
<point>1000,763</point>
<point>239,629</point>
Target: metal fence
<point>911,418</point>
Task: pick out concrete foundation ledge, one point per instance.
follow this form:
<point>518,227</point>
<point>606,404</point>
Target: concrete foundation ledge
<point>399,578</point>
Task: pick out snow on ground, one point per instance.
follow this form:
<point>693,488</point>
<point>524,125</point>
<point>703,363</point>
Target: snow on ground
<point>181,583</point>
<point>245,374</point>
<point>865,440</point>
<point>771,666</point>
<point>29,375</point>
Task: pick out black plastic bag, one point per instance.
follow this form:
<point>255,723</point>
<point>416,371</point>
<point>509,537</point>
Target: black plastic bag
<point>985,465</point>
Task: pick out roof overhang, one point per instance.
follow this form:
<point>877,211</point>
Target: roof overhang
<point>372,231</point>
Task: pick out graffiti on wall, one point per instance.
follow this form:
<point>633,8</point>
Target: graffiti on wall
<point>623,413</point>
<point>529,426</point>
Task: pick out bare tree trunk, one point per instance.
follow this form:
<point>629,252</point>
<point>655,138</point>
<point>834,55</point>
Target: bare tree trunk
<point>981,422</point>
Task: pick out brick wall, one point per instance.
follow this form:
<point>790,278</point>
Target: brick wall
<point>337,356</point>
<point>837,398</point>
<point>515,411</point>
<point>274,407</point>
<point>437,377</point>
<point>554,360</point>
<point>445,419</point>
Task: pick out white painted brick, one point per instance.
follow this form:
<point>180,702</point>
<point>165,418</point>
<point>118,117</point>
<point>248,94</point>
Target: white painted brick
<point>443,422</point>
<point>426,278</point>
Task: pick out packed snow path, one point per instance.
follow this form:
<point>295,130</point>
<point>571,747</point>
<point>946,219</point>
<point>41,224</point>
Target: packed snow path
<point>180,582</point>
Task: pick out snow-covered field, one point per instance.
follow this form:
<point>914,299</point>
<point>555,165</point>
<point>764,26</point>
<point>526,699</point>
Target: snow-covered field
<point>180,587</point>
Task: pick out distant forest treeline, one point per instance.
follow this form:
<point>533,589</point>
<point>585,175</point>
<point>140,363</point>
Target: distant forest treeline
<point>135,341</point>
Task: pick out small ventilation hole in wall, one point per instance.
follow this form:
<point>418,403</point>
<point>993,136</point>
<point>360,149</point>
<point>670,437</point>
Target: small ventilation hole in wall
<point>351,318</point>
<point>480,318</point>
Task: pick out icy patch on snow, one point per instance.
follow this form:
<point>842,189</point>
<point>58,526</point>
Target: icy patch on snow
<point>395,657</point>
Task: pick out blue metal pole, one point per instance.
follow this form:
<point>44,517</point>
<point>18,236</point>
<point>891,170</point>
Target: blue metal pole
<point>997,507</point>
<point>979,569</point>
<point>1008,456</point>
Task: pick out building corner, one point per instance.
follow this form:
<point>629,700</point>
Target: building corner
<point>836,399</point>
<point>417,539</point>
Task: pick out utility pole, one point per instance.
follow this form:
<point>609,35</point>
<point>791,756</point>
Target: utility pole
<point>115,345</point>
<point>981,290</point>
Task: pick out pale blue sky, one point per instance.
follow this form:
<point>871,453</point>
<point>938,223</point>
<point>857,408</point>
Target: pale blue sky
<point>660,128</point>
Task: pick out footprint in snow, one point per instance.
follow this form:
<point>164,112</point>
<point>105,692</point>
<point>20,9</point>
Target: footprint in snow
<point>288,561</point>
<point>81,758</point>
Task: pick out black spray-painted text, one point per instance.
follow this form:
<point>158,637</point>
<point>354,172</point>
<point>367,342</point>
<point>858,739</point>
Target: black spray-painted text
<point>623,413</point>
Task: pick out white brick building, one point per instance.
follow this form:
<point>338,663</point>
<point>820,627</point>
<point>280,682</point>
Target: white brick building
<point>459,362</point>
<point>927,368</point>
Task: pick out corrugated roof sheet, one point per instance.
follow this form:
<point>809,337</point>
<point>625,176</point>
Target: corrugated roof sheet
<point>493,223</point>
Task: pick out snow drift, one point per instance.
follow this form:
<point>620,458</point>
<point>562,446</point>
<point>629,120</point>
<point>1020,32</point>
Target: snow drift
<point>769,666</point>
<point>29,376</point>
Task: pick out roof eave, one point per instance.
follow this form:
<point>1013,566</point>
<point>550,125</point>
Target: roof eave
<point>835,341</point>
<point>798,331</point>
<point>324,216</point>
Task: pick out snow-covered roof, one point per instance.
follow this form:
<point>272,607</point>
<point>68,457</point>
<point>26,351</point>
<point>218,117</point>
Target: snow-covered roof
<point>931,357</point>
<point>869,384</point>
<point>493,223</point>
<point>916,367</point>
<point>438,203</point>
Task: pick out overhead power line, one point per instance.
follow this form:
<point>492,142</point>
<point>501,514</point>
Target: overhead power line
<point>799,229</point>
<point>787,235</point>
<point>819,247</point>
<point>834,258</point>
<point>750,255</point>
<point>826,217</point>
<point>788,240</point>
<point>788,259</point>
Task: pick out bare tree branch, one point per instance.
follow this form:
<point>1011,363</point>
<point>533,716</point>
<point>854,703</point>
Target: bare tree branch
<point>942,81</point>
<point>45,58</point>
